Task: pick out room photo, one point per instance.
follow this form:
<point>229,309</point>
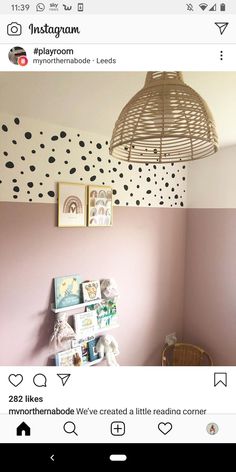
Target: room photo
<point>118,219</point>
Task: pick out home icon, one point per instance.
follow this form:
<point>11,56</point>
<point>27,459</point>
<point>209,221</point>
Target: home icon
<point>23,429</point>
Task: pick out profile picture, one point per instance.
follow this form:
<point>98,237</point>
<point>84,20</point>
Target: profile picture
<point>17,56</point>
<point>212,428</point>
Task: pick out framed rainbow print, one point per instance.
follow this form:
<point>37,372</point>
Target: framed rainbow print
<point>99,206</point>
<point>71,204</point>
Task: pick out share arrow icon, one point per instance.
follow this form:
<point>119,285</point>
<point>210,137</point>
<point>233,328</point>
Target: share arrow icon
<point>222,27</point>
<point>64,378</point>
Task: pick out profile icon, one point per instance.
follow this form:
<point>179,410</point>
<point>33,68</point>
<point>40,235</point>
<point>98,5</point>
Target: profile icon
<point>17,56</point>
<point>212,428</point>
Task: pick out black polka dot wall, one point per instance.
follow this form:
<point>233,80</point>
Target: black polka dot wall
<point>37,158</point>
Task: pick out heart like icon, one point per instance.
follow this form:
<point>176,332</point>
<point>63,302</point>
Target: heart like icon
<point>165,428</point>
<point>15,379</point>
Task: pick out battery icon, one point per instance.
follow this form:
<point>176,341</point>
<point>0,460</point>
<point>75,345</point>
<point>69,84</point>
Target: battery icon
<point>222,7</point>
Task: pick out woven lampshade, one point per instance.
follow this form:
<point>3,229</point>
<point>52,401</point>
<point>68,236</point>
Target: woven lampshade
<point>166,121</point>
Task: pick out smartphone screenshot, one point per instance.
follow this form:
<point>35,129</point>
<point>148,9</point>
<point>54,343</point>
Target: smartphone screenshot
<point>118,228</point>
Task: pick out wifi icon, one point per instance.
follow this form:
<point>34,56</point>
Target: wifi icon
<point>203,6</point>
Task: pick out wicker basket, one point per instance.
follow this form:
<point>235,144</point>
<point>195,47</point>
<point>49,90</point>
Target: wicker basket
<point>185,354</point>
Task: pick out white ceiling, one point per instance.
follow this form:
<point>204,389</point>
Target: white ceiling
<point>92,101</point>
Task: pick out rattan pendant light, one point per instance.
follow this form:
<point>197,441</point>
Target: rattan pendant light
<point>166,121</point>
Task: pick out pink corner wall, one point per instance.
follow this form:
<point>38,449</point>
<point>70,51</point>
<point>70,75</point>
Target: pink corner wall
<point>144,251</point>
<point>210,283</point>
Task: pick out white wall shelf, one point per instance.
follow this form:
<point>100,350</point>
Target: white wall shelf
<point>75,307</point>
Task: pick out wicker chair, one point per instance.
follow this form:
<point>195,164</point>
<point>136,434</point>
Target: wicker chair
<point>185,354</point>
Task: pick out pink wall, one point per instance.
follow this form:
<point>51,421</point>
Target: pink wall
<point>144,251</point>
<point>210,283</point>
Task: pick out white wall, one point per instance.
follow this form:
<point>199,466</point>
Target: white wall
<point>212,181</point>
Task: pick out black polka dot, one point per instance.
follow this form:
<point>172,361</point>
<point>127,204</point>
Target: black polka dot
<point>14,180</point>
<point>32,168</point>
<point>137,202</point>
<point>42,146</point>
<point>121,175</point>
<point>14,141</point>
<point>81,143</point>
<point>114,192</point>
<point>93,178</point>
<point>51,159</point>
<point>166,184</point>
<point>28,135</point>
<point>99,146</point>
<point>140,169</point>
<point>30,184</point>
<point>41,132</point>
<point>5,153</point>
<point>90,152</point>
<point>112,181</point>
<point>87,168</point>
<point>68,151</point>
<point>41,183</point>
<point>72,170</point>
<point>102,171</point>
<point>15,196</point>
<point>54,138</point>
<point>16,189</point>
<point>30,199</point>
<point>51,193</point>
<point>33,151</point>
<point>62,134</point>
<point>83,158</point>
<point>22,173</point>
<point>17,121</point>
<point>148,179</point>
<point>46,175</point>
<point>99,159</point>
<point>173,176</point>
<point>130,167</point>
<point>4,128</point>
<point>40,195</point>
<point>148,192</point>
<point>117,202</point>
<point>176,196</point>
<point>183,178</point>
<point>181,204</point>
<point>9,165</point>
<point>65,162</point>
<point>161,203</point>
<point>126,187</point>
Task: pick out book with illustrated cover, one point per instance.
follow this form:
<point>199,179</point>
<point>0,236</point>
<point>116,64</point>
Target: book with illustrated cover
<point>107,316</point>
<point>71,357</point>
<point>85,324</point>
<point>93,355</point>
<point>67,291</point>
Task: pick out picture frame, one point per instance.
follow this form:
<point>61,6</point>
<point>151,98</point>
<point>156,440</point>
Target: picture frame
<point>71,357</point>
<point>71,205</point>
<point>100,211</point>
<point>91,290</point>
<point>67,291</point>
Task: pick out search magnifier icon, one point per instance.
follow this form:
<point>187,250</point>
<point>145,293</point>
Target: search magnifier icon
<point>70,428</point>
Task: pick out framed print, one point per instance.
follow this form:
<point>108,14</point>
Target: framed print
<point>71,204</point>
<point>67,291</point>
<point>99,206</point>
<point>91,290</point>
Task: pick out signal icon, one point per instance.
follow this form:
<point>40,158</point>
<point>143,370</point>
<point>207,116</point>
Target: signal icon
<point>203,6</point>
